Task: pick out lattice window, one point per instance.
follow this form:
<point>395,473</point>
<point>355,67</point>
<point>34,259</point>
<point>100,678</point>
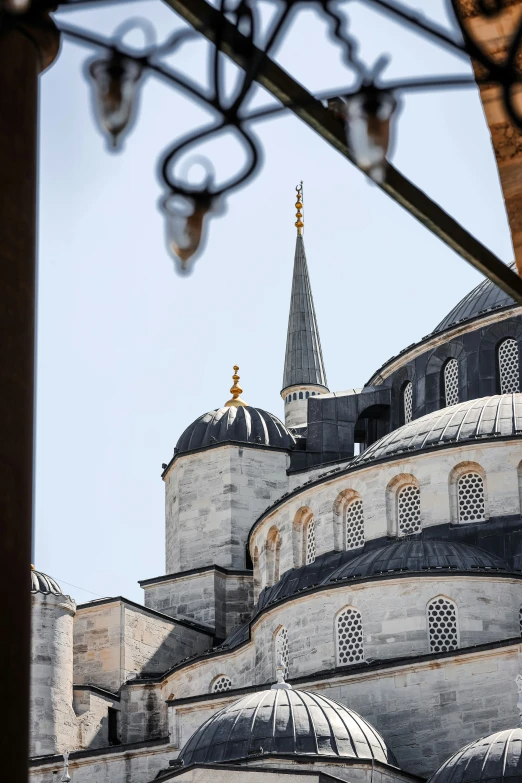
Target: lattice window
<point>451,382</point>
<point>310,542</point>
<point>407,402</point>
<point>442,625</point>
<point>354,530</point>
<point>470,491</point>
<point>281,650</point>
<point>408,510</point>
<point>508,366</point>
<point>221,683</point>
<point>349,637</point>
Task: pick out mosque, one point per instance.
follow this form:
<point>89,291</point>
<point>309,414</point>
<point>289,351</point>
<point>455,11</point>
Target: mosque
<point>342,596</point>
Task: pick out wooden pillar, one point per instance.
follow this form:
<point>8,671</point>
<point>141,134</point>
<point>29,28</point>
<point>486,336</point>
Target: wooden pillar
<point>493,36</point>
<point>25,49</point>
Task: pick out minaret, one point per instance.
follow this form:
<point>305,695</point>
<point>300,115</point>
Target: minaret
<point>304,373</point>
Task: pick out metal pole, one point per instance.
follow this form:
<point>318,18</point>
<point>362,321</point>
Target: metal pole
<point>23,53</point>
<point>204,18</point>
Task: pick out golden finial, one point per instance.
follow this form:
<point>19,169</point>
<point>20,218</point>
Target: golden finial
<point>32,567</point>
<point>299,205</point>
<point>236,390</point>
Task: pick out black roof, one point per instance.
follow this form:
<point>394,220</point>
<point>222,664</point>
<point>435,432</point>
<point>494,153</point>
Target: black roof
<point>244,424</point>
<point>485,297</point>
<point>491,759</point>
<point>285,721</point>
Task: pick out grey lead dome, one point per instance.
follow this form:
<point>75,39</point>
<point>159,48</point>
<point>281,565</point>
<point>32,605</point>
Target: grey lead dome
<point>41,583</point>
<point>280,721</point>
<point>492,759</point>
<point>244,425</point>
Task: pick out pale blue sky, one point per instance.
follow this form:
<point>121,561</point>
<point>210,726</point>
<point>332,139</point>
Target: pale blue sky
<point>129,353</point>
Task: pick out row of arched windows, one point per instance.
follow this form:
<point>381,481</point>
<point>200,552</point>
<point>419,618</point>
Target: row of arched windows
<point>300,396</point>
<point>468,500</point>
<point>442,633</point>
<point>508,378</point>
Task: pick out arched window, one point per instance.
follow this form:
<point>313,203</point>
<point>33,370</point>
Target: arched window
<point>451,382</point>
<point>508,366</point>
<point>220,684</point>
<point>442,625</point>
<point>281,657</point>
<point>310,542</point>
<point>408,510</point>
<point>295,396</point>
<point>354,525</point>
<point>273,548</point>
<point>470,498</point>
<point>407,402</point>
<point>349,637</point>
<point>307,395</point>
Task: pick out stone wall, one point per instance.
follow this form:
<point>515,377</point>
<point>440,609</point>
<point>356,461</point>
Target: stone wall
<point>92,710</point>
<point>213,496</point>
<point>115,639</point>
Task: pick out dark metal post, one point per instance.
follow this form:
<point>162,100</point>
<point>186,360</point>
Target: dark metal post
<point>24,51</point>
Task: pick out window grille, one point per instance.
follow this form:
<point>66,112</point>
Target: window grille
<point>281,650</point>
<point>451,382</point>
<point>310,542</point>
<point>407,402</point>
<point>349,637</point>
<point>221,683</point>
<point>508,366</point>
<point>354,525</point>
<point>470,490</point>
<point>408,510</point>
<point>442,625</point>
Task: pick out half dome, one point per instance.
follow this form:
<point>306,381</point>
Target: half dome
<point>481,300</point>
<point>499,416</point>
<point>281,721</point>
<point>243,425</point>
<point>491,759</point>
<point>41,583</point>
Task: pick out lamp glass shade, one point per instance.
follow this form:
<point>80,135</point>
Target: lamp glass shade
<point>368,116</point>
<point>115,81</point>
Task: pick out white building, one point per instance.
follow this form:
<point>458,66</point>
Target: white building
<point>368,552</point>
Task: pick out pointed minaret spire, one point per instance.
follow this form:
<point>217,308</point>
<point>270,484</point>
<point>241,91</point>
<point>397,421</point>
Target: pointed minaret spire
<point>304,373</point>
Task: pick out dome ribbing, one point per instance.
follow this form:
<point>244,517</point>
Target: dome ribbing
<point>41,583</point>
<point>492,759</point>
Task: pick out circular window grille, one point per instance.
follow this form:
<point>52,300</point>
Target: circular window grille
<point>407,401</point>
<point>451,382</point>
<point>221,683</point>
<point>349,637</point>
<point>354,525</point>
<point>281,650</point>
<point>471,498</point>
<point>442,625</point>
<point>310,542</point>
<point>508,366</point>
<point>408,510</point>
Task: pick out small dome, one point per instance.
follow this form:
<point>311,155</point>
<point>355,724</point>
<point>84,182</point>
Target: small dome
<point>280,721</point>
<point>41,583</point>
<point>485,297</point>
<point>492,759</point>
<point>244,425</point>
<point>421,554</point>
<point>498,416</point>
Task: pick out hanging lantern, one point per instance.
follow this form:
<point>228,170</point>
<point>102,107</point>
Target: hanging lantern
<point>367,118</point>
<point>115,81</point>
<point>186,217</point>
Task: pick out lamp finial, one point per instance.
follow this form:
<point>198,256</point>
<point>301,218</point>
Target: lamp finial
<point>299,224</point>
<point>236,390</point>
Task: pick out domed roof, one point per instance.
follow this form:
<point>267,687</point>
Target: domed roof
<point>485,297</point>
<point>494,759</point>
<point>243,424</point>
<point>281,721</point>
<point>489,417</point>
<point>421,554</point>
<point>41,583</point>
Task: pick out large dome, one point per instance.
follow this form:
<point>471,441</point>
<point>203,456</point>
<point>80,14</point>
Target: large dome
<point>281,721</point>
<point>485,297</point>
<point>243,424</point>
<point>499,416</point>
<point>492,759</point>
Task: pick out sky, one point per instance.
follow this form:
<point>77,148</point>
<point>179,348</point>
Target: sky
<point>129,353</point>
